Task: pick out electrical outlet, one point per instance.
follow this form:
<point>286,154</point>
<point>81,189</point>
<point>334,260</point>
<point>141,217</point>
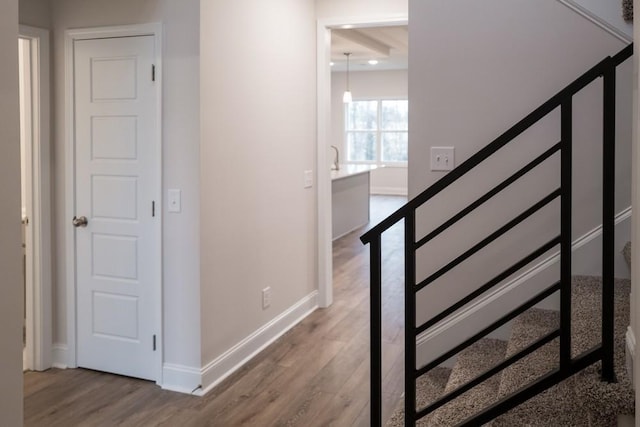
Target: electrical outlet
<point>442,158</point>
<point>266,297</point>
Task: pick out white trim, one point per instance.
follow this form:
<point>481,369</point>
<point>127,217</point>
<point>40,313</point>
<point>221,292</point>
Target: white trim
<point>390,191</point>
<point>180,378</point>
<point>38,298</point>
<point>151,29</point>
<point>233,359</point>
<point>630,353</point>
<point>59,356</point>
<point>323,181</point>
<point>590,245</point>
<point>635,197</point>
<point>70,201</point>
<point>323,178</point>
<point>350,231</point>
<point>622,216</point>
<point>597,20</point>
<point>507,295</point>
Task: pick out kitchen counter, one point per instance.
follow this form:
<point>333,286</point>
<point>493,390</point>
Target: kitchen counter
<point>347,170</point>
<point>350,198</point>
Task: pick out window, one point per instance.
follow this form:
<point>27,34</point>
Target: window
<point>377,131</point>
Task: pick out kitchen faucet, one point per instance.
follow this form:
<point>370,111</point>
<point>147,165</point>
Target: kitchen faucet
<point>336,163</point>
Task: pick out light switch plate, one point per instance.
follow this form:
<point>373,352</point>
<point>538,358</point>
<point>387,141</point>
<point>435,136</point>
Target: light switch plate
<point>308,179</point>
<point>174,201</point>
<point>442,158</point>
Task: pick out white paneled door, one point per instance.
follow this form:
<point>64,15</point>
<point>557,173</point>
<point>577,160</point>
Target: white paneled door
<point>116,182</point>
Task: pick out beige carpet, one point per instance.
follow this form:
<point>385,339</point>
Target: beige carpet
<point>627,10</point>
<point>580,401</point>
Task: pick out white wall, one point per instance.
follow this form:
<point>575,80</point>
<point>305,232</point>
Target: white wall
<point>180,169</point>
<point>35,13</point>
<point>471,81</point>
<point>258,129</point>
<point>368,85</point>
<point>328,9</point>
<point>11,301</point>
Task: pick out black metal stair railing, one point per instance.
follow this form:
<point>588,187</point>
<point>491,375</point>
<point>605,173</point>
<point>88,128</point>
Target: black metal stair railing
<point>567,365</point>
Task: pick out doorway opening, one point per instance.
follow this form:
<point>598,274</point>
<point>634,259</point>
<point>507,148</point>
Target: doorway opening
<point>33,49</point>
<point>362,144</point>
<point>369,133</point>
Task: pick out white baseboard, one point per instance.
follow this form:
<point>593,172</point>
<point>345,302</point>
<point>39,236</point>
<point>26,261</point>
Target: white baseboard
<point>389,191</point>
<point>485,310</point>
<point>349,231</point>
<point>220,368</point>
<point>587,249</point>
<point>60,356</point>
<point>630,341</point>
<point>183,379</point>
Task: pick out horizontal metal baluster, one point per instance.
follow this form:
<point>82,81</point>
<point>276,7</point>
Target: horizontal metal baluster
<point>493,236</point>
<point>495,325</point>
<point>490,284</point>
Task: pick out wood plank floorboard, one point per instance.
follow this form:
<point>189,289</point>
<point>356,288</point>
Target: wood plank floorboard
<point>317,374</point>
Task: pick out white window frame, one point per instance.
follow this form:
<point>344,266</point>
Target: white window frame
<point>378,131</point>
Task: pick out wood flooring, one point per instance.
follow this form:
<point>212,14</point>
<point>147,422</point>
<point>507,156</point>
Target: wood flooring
<point>317,374</point>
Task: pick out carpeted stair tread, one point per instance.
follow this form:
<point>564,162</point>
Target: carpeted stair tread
<point>587,312</point>
<point>602,399</point>
<point>471,362</point>
<point>547,408</point>
<point>596,403</point>
<point>429,387</point>
<point>580,401</point>
<point>527,328</point>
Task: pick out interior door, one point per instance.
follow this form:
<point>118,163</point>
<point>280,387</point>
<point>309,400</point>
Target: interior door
<point>116,181</point>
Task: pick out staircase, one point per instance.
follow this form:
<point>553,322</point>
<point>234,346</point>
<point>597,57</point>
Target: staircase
<point>582,400</point>
<point>559,368</point>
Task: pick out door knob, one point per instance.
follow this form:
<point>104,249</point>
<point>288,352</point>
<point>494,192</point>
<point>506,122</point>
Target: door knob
<point>80,222</point>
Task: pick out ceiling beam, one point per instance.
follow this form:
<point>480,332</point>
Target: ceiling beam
<point>365,41</point>
<point>398,37</point>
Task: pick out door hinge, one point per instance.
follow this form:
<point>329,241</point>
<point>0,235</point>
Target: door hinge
<point>153,73</point>
<point>154,343</point>
<point>153,208</point>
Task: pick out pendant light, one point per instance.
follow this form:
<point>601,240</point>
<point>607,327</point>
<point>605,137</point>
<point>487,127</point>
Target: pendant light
<point>347,98</point>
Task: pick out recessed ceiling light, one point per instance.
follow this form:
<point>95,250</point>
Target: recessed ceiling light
<point>373,62</point>
<point>332,63</point>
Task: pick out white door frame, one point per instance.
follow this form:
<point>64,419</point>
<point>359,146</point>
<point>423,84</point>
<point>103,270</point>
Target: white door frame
<point>38,300</point>
<point>325,262</point>
<point>155,30</point>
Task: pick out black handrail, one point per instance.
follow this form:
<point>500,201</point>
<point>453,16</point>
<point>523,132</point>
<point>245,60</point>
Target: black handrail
<point>568,365</point>
<point>489,194</point>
